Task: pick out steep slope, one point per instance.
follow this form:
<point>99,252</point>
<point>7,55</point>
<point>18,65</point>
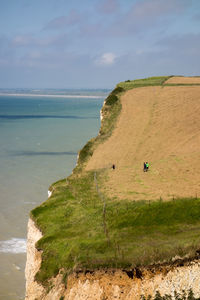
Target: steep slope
<point>160,125</point>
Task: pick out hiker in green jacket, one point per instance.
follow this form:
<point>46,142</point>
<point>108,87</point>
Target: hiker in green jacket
<point>147,166</point>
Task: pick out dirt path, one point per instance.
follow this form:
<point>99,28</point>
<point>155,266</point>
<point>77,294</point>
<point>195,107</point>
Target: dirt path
<point>161,126</point>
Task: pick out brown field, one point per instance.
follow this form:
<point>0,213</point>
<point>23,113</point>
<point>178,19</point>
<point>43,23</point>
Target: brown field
<point>183,80</point>
<point>161,126</point>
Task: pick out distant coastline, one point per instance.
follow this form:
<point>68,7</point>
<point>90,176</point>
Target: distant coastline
<point>51,95</point>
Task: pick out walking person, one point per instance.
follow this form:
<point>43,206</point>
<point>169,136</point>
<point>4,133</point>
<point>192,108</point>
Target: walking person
<point>145,169</point>
<point>147,166</point>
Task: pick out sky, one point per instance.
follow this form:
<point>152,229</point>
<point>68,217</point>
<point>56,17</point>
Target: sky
<point>96,43</point>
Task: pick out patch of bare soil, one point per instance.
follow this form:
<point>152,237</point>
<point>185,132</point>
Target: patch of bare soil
<point>161,126</point>
<point>183,80</point>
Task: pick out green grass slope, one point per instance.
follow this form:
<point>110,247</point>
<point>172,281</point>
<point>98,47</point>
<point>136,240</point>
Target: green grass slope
<point>84,229</point>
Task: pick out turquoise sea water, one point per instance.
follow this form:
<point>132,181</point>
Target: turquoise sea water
<point>39,141</point>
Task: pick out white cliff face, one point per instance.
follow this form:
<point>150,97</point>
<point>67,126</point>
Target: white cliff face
<point>108,285</point>
<point>112,285</point>
<point>101,285</point>
<point>49,193</point>
<point>33,262</point>
<point>101,114</point>
<point>177,279</point>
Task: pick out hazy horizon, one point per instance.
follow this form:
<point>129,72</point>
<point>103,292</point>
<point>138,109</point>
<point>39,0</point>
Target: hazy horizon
<point>96,44</point>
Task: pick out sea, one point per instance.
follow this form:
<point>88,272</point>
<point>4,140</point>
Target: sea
<point>41,132</point>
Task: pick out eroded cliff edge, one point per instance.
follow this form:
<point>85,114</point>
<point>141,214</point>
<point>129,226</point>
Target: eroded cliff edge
<point>33,261</point>
<point>109,284</point>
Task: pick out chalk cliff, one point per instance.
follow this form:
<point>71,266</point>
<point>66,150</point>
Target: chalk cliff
<point>110,284</point>
<point>33,289</point>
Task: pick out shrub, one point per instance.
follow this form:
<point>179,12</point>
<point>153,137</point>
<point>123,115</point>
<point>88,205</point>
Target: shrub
<point>118,90</point>
<point>111,99</point>
<point>86,151</point>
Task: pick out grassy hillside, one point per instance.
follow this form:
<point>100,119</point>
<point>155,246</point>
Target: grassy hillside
<point>80,233</point>
<point>151,81</point>
<point>158,124</point>
<point>85,229</point>
<point>111,111</point>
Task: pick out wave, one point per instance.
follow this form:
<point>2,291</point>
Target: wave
<point>14,245</point>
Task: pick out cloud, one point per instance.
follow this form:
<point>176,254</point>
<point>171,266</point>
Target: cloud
<point>23,40</point>
<point>188,44</point>
<point>7,53</point>
<point>108,6</point>
<point>107,59</point>
<point>197,17</point>
<point>30,41</point>
<point>110,21</point>
<point>35,54</point>
<point>147,15</point>
<point>151,9</point>
<point>56,59</point>
<point>64,21</point>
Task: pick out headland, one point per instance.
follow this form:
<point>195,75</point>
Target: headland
<point>121,233</point>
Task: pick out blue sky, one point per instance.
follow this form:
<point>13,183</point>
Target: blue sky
<point>96,43</point>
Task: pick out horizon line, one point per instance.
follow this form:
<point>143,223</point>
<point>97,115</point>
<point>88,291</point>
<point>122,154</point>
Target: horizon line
<point>51,95</point>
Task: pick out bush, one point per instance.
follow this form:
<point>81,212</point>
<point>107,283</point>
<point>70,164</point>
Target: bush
<point>117,90</point>
<point>111,99</point>
<point>86,151</point>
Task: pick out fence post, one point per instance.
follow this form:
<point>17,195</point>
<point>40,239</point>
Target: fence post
<point>104,208</point>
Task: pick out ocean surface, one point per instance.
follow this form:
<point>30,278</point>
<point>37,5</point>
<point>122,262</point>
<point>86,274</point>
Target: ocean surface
<point>40,136</point>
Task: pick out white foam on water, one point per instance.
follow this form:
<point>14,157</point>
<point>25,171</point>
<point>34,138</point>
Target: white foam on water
<point>14,245</point>
<point>29,202</point>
